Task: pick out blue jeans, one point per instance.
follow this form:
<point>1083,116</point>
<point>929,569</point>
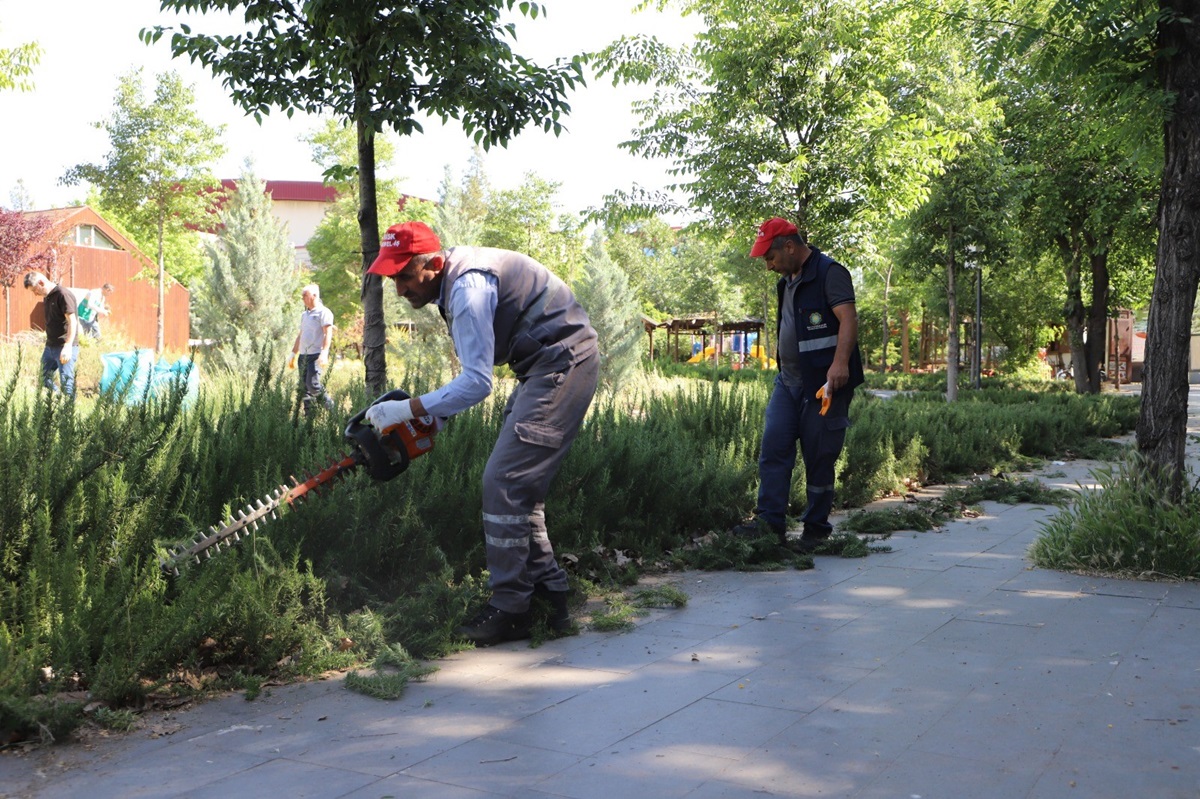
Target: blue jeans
<point>793,415</point>
<point>66,371</point>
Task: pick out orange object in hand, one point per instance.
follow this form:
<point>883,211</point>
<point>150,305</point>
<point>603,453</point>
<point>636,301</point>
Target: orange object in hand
<point>825,396</point>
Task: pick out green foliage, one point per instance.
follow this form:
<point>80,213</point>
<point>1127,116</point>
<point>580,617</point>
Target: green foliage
<point>761,120</point>
<point>16,66</point>
<point>605,295</point>
<point>96,489</point>
<point>1125,527</point>
<point>462,208</point>
<point>86,497</point>
<point>660,596</point>
<point>928,514</point>
<point>393,669</point>
<point>157,175</point>
<point>980,432</point>
<point>249,302</point>
<point>724,552</point>
<point>445,60</point>
<point>523,220</point>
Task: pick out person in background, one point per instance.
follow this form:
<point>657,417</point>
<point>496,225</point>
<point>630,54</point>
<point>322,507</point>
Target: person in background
<point>62,343</point>
<point>312,347</point>
<point>503,307</point>
<point>91,307</point>
<point>819,368</point>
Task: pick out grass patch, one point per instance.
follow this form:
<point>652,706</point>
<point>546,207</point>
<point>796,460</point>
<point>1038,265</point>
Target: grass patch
<point>1125,528</point>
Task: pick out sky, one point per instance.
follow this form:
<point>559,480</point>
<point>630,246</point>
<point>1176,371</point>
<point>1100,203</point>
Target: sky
<point>88,44</point>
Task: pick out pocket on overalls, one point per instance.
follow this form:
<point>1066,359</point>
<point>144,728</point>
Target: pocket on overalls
<point>834,435</point>
<point>539,434</point>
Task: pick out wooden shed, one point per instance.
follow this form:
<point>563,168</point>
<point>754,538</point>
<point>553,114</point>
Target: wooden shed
<point>88,252</point>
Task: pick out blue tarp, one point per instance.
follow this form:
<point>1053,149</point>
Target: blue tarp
<point>136,376</point>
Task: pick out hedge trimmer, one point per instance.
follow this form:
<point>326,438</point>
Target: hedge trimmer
<point>384,454</point>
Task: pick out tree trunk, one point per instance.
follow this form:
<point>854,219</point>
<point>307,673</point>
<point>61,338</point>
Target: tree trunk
<point>1097,319</point>
<point>904,341</point>
<point>952,326</point>
<point>160,335</point>
<point>924,337</point>
<point>1074,312</point>
<point>887,288</point>
<point>1162,423</point>
<point>374,325</point>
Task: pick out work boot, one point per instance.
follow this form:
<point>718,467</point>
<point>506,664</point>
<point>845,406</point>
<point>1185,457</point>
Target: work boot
<point>757,528</point>
<point>808,543</point>
<point>494,626</point>
<point>560,611</point>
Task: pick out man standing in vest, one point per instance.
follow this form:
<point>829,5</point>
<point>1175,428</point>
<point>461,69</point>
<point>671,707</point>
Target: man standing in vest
<point>819,368</point>
<point>503,307</point>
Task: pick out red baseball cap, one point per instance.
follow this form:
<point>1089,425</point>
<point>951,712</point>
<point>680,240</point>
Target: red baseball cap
<point>767,232</point>
<point>400,243</point>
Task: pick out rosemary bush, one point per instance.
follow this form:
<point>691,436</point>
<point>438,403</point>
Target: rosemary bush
<point>93,489</point>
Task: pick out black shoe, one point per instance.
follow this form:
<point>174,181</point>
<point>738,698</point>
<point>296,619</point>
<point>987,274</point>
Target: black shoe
<point>757,528</point>
<point>807,544</point>
<point>559,619</point>
<point>494,626</point>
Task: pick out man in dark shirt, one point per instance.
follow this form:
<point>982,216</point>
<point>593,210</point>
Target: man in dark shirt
<point>819,368</point>
<point>62,347</point>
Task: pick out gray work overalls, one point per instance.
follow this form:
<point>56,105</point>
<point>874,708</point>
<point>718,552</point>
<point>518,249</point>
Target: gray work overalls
<point>544,335</point>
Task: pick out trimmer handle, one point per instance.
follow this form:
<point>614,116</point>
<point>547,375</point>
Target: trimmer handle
<point>387,453</point>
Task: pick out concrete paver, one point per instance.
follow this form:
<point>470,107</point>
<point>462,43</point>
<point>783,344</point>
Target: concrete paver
<point>947,667</point>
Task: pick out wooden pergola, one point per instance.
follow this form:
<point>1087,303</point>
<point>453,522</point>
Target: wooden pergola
<point>703,325</point>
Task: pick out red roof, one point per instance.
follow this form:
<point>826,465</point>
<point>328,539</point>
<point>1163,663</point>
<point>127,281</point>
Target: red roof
<point>301,190</point>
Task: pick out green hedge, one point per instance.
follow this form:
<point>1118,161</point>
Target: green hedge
<point>93,491</point>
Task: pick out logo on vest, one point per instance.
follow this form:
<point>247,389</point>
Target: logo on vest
<point>816,321</point>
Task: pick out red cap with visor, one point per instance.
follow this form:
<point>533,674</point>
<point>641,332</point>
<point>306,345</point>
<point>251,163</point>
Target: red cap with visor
<point>767,233</point>
<point>400,243</point>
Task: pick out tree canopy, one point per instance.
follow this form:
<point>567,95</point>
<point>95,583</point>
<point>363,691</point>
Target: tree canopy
<point>157,176</point>
<point>381,63</point>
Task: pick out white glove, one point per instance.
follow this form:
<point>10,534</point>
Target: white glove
<point>384,415</point>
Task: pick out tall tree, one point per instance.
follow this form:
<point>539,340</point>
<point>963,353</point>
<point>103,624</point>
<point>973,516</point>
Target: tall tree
<point>805,110</point>
<point>378,63</point>
<point>523,219</point>
<point>1079,190</point>
<point>250,298</point>
<point>1162,424</point>
<point>604,293</point>
<point>961,224</point>
<point>335,245</point>
<point>158,173</point>
<point>463,205</point>
<point>1145,61</point>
